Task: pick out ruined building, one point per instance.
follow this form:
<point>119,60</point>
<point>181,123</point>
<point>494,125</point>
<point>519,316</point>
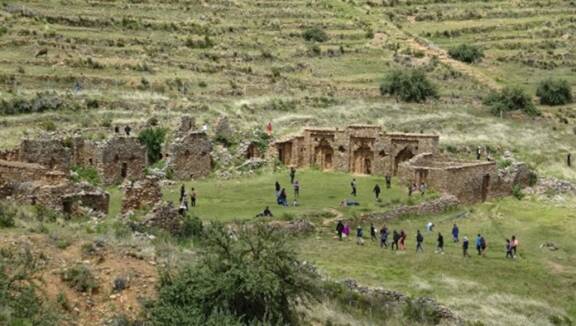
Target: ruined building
<point>141,194</point>
<point>188,156</point>
<point>33,184</point>
<point>52,153</point>
<point>361,149</point>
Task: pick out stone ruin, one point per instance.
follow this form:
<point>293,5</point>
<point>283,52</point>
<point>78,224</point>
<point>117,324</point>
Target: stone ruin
<point>469,181</point>
<point>52,153</point>
<point>164,216</point>
<point>141,194</point>
<point>33,184</point>
<point>363,149</point>
<point>222,129</point>
<point>188,156</point>
<point>121,158</point>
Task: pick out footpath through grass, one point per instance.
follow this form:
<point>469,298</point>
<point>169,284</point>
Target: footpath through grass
<point>535,289</point>
<point>243,198</point>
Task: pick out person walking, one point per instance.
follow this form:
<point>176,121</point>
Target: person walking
<point>354,189</point>
<point>465,244</point>
<point>283,198</point>
<point>509,249</point>
<point>384,237</point>
<point>395,239</point>
<point>372,232</point>
<point>483,246</point>
<point>388,182</point>
<point>422,189</point>
<point>478,153</point>
<point>440,244</point>
<point>292,174</point>
<point>296,186</point>
<point>419,241</point>
<point>410,190</point>
<point>340,230</point>
<point>277,188</point>
<point>193,197</point>
<point>455,232</point>
<point>346,230</point>
<point>569,160</point>
<point>514,244</point>
<point>182,192</point>
<point>403,236</point>
<point>479,244</point>
<point>359,236</point>
<point>377,191</point>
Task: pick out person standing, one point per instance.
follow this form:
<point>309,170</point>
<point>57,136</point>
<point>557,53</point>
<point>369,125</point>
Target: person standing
<point>395,239</point>
<point>346,230</point>
<point>340,229</point>
<point>372,232</point>
<point>354,189</point>
<point>292,174</point>
<point>514,244</point>
<point>440,245</point>
<point>478,153</point>
<point>359,236</point>
<point>383,237</point>
<point>465,244</point>
<point>277,188</point>
<point>483,246</point>
<point>388,182</point>
<point>509,249</point>
<point>296,186</point>
<point>479,244</point>
<point>182,192</point>
<point>193,197</point>
<point>403,236</point>
<point>569,160</point>
<point>377,191</point>
<point>422,189</point>
<point>455,232</point>
<point>419,241</point>
<point>410,190</point>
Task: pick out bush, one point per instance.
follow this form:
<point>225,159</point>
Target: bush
<point>88,174</point>
<point>42,102</point>
<point>79,278</point>
<point>554,92</point>
<point>517,192</point>
<point>6,216</point>
<point>252,277</point>
<point>192,227</point>
<point>153,138</point>
<point>315,34</point>
<point>510,99</point>
<point>466,53</point>
<point>408,86</point>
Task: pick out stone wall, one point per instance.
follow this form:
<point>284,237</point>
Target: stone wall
<point>437,206</point>
<point>121,158</point>
<point>10,154</point>
<point>164,216</point>
<point>362,149</point>
<point>189,156</point>
<point>52,153</point>
<point>141,194</point>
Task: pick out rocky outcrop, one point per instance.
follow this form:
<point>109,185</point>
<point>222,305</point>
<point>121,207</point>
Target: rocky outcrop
<point>440,205</point>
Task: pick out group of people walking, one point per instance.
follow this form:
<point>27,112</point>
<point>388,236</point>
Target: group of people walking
<point>184,206</point>
<point>280,192</point>
<point>396,240</point>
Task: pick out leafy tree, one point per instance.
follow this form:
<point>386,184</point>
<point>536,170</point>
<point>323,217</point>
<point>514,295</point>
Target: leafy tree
<point>466,53</point>
<point>554,92</point>
<point>250,277</point>
<point>408,86</point>
<point>153,138</point>
<point>510,99</point>
<point>315,34</point>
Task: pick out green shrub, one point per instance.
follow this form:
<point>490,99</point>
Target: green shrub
<point>80,278</point>
<point>554,92</point>
<point>421,311</point>
<point>88,174</point>
<point>41,102</point>
<point>153,138</point>
<point>7,215</point>
<point>192,227</point>
<point>466,53</point>
<point>517,192</point>
<point>408,86</point>
<point>510,99</point>
<point>253,277</point>
<point>315,34</point>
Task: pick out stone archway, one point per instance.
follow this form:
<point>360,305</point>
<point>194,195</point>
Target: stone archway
<point>324,155</point>
<point>362,160</point>
<point>404,155</point>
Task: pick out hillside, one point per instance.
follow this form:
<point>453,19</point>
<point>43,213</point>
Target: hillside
<point>82,68</point>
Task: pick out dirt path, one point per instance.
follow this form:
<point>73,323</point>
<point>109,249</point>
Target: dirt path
<point>338,216</point>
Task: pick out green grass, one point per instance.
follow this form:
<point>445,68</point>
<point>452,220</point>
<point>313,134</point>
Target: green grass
<point>243,198</point>
<point>528,290</point>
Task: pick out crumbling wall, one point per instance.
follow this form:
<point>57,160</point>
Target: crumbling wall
<point>52,153</point>
<point>141,194</point>
<point>122,158</point>
<point>189,156</point>
<point>10,154</point>
<point>164,216</point>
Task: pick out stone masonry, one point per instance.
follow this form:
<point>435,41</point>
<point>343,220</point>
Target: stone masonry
<point>144,193</point>
<point>188,156</point>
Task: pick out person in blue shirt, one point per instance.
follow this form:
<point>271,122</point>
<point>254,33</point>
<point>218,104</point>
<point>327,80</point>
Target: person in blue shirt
<point>455,233</point>
<point>479,244</point>
<point>359,236</point>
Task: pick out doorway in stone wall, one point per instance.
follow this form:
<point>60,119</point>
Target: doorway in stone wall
<point>404,155</point>
<point>124,170</point>
<point>485,186</point>
<point>362,160</point>
<point>323,155</point>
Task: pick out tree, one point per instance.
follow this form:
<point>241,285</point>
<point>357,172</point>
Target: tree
<point>315,34</point>
<point>250,277</point>
<point>510,99</point>
<point>153,138</point>
<point>554,92</point>
<point>408,86</point>
<point>466,53</point>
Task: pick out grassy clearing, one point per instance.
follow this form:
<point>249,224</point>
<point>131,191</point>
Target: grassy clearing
<point>243,198</point>
<point>529,290</point>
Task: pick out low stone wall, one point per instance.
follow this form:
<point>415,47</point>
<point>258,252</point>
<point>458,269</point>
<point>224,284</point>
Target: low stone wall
<point>437,206</point>
<point>164,216</point>
<point>141,194</point>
